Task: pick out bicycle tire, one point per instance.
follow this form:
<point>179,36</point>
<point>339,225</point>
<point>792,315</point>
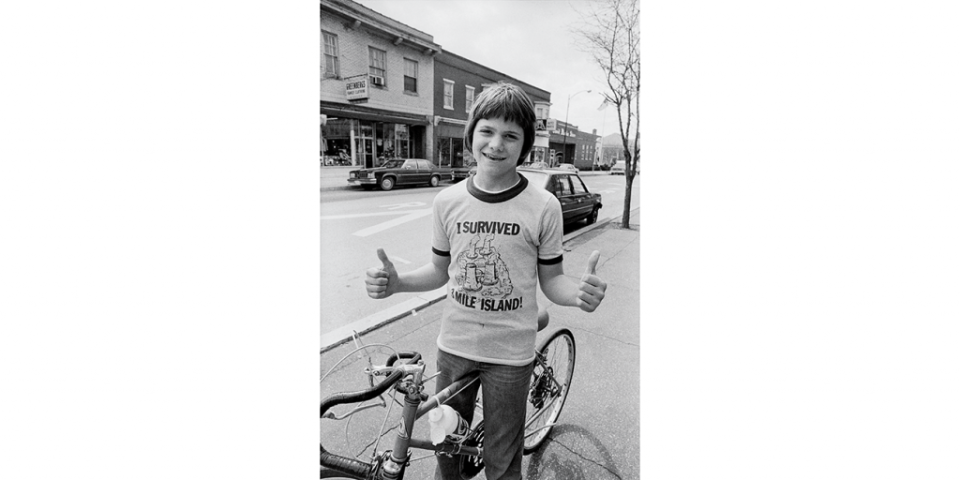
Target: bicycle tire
<point>546,400</point>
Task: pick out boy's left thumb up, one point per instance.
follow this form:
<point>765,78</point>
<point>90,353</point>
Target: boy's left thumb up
<point>592,263</point>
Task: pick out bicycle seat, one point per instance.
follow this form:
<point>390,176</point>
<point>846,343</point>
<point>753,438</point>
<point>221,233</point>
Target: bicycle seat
<point>543,319</point>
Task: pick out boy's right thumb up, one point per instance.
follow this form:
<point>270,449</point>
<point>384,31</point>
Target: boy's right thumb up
<point>379,279</point>
<point>387,264</point>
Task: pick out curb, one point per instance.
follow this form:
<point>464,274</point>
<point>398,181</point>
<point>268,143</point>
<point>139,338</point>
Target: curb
<point>384,317</point>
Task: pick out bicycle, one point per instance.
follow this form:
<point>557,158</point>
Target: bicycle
<point>553,371</point>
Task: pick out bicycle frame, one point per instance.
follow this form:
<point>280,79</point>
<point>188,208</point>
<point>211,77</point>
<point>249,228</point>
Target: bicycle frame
<point>408,379</point>
<point>414,407</point>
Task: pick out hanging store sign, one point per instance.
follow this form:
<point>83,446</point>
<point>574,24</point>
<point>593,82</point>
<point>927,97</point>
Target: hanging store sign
<point>357,87</point>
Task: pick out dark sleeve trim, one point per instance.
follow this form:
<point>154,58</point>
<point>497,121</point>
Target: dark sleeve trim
<point>550,261</point>
<point>440,252</point>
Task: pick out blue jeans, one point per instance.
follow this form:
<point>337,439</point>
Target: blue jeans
<point>505,393</point>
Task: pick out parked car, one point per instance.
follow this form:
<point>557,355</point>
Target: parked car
<point>400,171</point>
<point>619,168</point>
<point>460,173</point>
<point>575,199</point>
<point>569,167</point>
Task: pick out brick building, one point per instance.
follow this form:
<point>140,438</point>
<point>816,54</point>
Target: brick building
<point>569,145</point>
<point>457,82</point>
<point>376,87</point>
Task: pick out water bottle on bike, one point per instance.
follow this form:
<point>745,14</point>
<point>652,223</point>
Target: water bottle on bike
<point>446,423</point>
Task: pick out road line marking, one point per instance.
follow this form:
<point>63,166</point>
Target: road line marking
<point>361,215</point>
<point>394,206</point>
<point>393,223</point>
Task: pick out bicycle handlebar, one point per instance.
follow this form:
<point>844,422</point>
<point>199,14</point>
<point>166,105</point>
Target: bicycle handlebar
<point>350,465</point>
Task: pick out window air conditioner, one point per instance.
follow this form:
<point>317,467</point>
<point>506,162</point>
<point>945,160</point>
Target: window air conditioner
<point>376,80</point>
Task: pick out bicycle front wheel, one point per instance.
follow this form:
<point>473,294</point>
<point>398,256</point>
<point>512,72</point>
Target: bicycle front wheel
<point>552,373</point>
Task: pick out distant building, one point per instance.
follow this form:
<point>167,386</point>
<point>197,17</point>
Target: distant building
<point>569,145</point>
<point>612,149</point>
<point>376,86</point>
<point>458,81</point>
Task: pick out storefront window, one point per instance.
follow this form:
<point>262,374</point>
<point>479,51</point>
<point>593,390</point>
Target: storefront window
<point>385,142</point>
<point>450,152</point>
<point>402,135</point>
<point>335,142</point>
<point>443,151</point>
<point>456,146</point>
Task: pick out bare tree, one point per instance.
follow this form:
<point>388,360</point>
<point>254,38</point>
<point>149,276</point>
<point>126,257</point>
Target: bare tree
<point>612,35</point>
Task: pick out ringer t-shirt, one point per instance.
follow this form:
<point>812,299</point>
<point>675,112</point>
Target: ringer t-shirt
<point>495,242</point>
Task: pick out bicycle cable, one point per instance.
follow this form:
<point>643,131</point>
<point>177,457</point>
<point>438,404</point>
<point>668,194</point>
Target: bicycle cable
<point>334,367</point>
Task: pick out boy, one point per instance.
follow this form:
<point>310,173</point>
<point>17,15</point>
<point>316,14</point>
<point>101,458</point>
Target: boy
<point>494,237</point>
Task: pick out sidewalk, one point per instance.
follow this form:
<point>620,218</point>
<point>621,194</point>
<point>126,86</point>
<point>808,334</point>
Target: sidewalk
<point>597,435</point>
<point>335,178</point>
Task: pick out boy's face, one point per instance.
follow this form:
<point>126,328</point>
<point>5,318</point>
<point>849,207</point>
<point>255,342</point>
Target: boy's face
<point>497,144</point>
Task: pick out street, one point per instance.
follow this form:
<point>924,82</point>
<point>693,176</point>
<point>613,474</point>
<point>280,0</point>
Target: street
<point>355,222</point>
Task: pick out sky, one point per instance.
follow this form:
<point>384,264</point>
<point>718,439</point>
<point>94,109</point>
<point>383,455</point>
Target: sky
<point>530,40</point>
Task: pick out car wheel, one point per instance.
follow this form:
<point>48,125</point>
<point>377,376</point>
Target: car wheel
<point>386,183</point>
<point>434,181</point>
<point>593,216</point>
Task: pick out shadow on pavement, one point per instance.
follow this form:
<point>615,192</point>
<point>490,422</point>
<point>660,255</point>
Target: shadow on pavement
<point>571,452</point>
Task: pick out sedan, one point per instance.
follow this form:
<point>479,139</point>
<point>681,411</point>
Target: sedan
<point>400,171</point>
<point>460,173</point>
<point>576,201</point>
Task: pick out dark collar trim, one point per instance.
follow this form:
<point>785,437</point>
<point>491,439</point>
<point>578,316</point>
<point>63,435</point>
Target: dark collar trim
<point>496,197</point>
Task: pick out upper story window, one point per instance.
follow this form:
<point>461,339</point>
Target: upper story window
<point>331,55</point>
<point>378,67</point>
<point>410,69</point>
<point>542,112</point>
<point>469,98</point>
<point>448,94</point>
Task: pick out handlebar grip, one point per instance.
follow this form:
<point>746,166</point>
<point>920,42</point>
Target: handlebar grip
<point>364,395</point>
<point>396,356</point>
<point>344,464</point>
<point>349,465</point>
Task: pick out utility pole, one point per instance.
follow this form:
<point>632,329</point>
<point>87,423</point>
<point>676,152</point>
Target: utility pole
<point>566,125</point>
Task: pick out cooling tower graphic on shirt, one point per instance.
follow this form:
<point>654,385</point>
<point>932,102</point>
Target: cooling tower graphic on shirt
<point>482,270</point>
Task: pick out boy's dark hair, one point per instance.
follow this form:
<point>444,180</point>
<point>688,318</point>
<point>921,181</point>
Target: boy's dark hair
<point>506,101</point>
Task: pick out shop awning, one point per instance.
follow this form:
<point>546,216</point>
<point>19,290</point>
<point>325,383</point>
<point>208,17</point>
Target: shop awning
<point>368,113</point>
